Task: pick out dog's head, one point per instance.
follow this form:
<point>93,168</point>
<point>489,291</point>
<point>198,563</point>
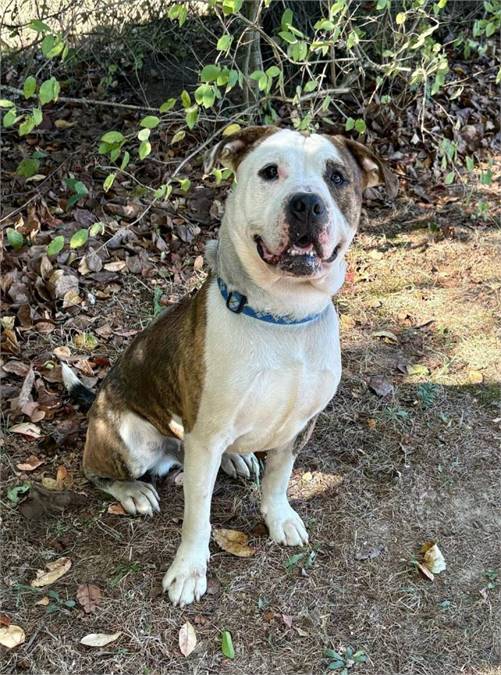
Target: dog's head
<point>297,199</point>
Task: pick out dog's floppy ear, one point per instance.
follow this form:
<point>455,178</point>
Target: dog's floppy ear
<point>374,170</point>
<point>232,149</point>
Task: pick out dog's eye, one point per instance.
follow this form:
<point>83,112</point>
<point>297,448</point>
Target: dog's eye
<point>337,178</point>
<point>269,172</point>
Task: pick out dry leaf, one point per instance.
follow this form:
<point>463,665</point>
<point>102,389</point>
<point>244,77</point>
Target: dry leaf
<point>380,386</point>
<point>116,266</point>
<point>385,334</point>
<point>433,558</point>
<point>234,542</point>
<point>43,601</point>
<point>4,620</point>
<point>116,509</point>
<point>187,639</point>
<point>347,322</point>
<point>26,429</point>
<point>100,639</point>
<point>62,353</point>
<point>11,636</point>
<point>425,571</point>
<point>287,619</point>
<point>475,377</point>
<point>64,479</point>
<point>30,464</point>
<point>55,571</point>
<point>89,596</point>
<point>49,483</point>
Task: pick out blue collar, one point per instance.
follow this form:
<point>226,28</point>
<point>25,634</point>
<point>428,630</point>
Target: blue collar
<point>237,303</point>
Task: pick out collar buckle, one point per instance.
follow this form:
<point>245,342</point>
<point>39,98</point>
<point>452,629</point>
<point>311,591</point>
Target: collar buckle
<point>236,302</point>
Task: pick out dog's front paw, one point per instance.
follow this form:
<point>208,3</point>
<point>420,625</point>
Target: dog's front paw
<point>186,579</point>
<point>285,526</point>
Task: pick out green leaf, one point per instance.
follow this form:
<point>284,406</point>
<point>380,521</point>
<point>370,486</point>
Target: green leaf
<point>108,181</point>
<point>29,86</point>
<point>498,77</point>
<point>286,19</point>
<point>144,149</point>
<point>52,46</point>
<point>360,126</point>
<point>144,134</point>
<point>332,654</point>
<point>224,43</point>
<point>185,99</point>
<point>36,116</point>
<point>349,124</point>
<point>150,122</point>
<point>227,645</point>
<point>55,245</point>
<point>401,18</point>
<point>4,103</point>
<point>273,71</point>
<point>9,118</point>
<point>470,163</point>
<point>191,116</point>
<point>18,491</point>
<point>210,72</point>
<point>112,137</point>
<point>97,228</point>
<point>449,179</point>
<point>167,105</point>
<point>163,192</point>
<point>49,91</point>
<point>79,238</point>
<point>26,126</point>
<point>336,665</point>
<point>205,95</point>
<point>125,161</point>
<point>288,37</point>
<point>184,184</point>
<point>178,136</point>
<point>15,238</point>
<point>27,167</point>
<point>310,86</point>
<point>39,26</point>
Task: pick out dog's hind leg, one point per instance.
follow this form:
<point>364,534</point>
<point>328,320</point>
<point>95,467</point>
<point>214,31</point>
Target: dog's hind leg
<point>122,448</point>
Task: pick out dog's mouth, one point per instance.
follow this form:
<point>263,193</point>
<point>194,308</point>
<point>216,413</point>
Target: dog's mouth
<point>294,259</point>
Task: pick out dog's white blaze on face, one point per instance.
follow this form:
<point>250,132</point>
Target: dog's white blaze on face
<point>259,207</point>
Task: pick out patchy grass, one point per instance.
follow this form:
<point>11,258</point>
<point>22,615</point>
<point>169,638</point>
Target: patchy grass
<point>380,477</point>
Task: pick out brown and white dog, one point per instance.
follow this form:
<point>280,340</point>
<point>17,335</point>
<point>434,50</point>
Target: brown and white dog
<point>248,362</point>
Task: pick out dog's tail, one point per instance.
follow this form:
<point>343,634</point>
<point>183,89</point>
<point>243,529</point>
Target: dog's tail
<point>77,390</point>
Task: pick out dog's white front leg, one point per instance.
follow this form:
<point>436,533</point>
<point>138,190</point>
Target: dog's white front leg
<point>284,524</point>
<point>186,579</point>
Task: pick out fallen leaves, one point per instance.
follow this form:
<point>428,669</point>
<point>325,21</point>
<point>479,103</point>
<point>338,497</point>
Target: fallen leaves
<point>116,509</point>
<point>26,429</point>
<point>187,639</point>
<point>234,542</point>
<point>11,636</point>
<point>227,645</point>
<point>89,596</point>
<point>433,560</point>
<point>30,463</point>
<point>100,639</point>
<point>380,386</point>
<point>62,481</point>
<point>55,570</point>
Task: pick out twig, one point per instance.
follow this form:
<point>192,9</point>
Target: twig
<point>88,101</point>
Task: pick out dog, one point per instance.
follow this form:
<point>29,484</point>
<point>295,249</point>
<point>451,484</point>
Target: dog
<point>249,361</point>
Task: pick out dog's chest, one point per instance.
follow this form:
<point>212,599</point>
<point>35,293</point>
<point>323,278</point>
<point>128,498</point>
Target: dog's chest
<point>264,382</point>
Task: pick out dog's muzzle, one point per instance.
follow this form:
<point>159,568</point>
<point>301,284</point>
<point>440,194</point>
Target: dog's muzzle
<point>303,256</point>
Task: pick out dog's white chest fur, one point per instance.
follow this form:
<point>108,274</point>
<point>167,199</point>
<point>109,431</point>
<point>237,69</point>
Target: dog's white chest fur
<point>265,381</point>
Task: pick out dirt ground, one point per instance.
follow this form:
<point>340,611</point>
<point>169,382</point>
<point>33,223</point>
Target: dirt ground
<point>382,475</point>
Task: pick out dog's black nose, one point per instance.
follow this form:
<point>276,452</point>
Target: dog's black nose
<point>306,215</point>
<point>306,207</point>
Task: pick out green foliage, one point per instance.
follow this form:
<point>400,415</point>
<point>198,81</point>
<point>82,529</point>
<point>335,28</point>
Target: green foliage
<point>345,659</point>
<point>78,188</point>
<point>15,238</point>
<point>55,246</point>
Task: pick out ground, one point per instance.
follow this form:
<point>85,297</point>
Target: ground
<point>407,452</point>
